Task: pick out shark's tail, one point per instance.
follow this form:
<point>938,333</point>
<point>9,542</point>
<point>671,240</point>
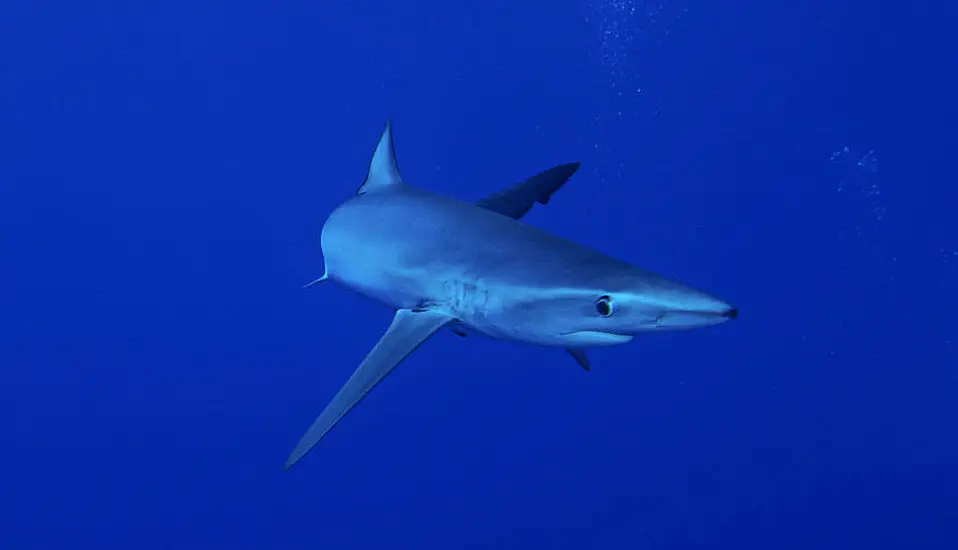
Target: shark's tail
<point>316,281</point>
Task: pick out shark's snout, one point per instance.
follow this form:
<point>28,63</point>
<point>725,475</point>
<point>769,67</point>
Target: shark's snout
<point>692,318</point>
<point>678,307</point>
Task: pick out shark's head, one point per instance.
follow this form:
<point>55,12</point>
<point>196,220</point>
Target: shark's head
<point>617,309</point>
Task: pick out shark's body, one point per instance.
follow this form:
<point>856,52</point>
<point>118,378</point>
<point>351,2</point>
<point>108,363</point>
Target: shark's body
<point>474,267</point>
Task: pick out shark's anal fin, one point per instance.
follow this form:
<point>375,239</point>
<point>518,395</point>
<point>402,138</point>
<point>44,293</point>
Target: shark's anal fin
<point>406,333</point>
<point>519,199</point>
<point>580,357</point>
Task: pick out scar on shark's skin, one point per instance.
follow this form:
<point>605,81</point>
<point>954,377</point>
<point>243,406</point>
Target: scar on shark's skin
<point>475,268</point>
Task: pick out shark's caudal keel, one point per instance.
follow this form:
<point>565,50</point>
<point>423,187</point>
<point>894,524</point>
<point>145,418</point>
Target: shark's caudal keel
<point>440,262</point>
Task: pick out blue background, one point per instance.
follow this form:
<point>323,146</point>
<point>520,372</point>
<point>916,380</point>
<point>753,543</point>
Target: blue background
<point>165,170</point>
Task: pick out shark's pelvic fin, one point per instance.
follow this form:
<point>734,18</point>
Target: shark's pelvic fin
<point>407,332</point>
<point>383,168</point>
<point>580,357</point>
<point>519,199</point>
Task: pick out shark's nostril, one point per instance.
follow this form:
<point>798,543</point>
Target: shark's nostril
<point>732,313</point>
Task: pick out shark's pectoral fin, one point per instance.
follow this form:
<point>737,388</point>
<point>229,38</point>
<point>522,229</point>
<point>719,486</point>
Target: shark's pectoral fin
<point>517,200</point>
<point>407,332</point>
<point>580,357</point>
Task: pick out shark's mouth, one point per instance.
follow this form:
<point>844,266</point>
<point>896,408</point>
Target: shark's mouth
<point>596,338</point>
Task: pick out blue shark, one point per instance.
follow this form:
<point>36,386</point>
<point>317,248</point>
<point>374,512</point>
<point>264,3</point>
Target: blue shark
<point>440,263</point>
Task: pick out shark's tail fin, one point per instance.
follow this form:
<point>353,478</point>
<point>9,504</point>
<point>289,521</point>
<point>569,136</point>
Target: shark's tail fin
<point>316,281</point>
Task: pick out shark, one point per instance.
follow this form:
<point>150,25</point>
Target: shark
<point>477,268</point>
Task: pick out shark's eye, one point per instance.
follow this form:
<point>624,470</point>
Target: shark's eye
<point>603,306</point>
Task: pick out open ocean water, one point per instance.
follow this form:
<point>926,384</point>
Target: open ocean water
<point>165,171</point>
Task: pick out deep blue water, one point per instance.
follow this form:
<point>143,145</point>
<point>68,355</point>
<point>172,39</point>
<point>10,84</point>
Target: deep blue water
<point>165,171</point>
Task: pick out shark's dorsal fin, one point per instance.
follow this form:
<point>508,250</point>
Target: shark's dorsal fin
<point>383,168</point>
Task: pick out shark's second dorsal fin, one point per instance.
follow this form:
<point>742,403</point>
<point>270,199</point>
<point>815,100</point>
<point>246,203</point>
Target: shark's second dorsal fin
<point>383,168</point>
